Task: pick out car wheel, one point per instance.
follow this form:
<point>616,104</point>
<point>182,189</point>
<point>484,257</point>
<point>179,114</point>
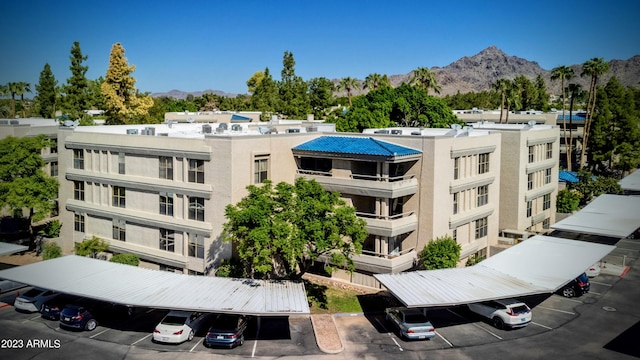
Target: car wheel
<point>568,292</point>
<point>498,323</point>
<point>91,325</point>
<point>190,335</point>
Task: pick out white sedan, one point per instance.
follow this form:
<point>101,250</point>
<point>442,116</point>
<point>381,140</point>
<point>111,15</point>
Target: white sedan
<point>593,270</point>
<point>32,300</point>
<point>180,326</point>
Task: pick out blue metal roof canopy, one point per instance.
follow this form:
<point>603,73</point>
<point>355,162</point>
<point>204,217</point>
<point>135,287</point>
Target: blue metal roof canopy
<point>355,146</point>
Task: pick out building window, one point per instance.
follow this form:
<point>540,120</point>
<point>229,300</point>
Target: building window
<point>260,169</point>
<point>163,267</point>
<point>119,231</point>
<point>549,150</point>
<point>78,159</point>
<point>196,171</point>
<point>546,202</point>
<point>483,195</point>
<point>118,198</point>
<point>54,168</point>
<point>483,163</point>
<point>78,190</point>
<point>456,168</point>
<point>120,163</point>
<point>546,223</point>
<point>54,146</point>
<point>196,208</point>
<point>532,150</point>
<point>196,246</point>
<point>529,208</point>
<point>166,204</point>
<point>530,181</point>
<point>455,202</point>
<point>166,168</point>
<point>78,222</point>
<point>547,176</point>
<point>167,240</point>
<point>481,228</point>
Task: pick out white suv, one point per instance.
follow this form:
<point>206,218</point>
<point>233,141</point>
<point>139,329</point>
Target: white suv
<point>507,313</point>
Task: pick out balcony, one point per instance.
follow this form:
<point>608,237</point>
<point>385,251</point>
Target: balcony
<point>376,263</point>
<point>366,185</point>
<point>390,225</point>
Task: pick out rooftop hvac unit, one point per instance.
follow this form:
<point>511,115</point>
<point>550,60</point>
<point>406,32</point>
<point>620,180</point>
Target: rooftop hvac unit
<point>163,134</point>
<point>312,129</point>
<point>396,132</point>
<point>222,126</point>
<point>416,133</point>
<point>291,131</point>
<point>132,131</point>
<point>236,127</point>
<point>14,122</point>
<point>381,132</point>
<point>4,122</point>
<point>206,129</point>
<point>149,130</point>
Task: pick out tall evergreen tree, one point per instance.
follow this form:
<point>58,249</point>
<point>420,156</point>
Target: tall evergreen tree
<point>294,101</point>
<point>320,96</point>
<point>75,91</point>
<point>123,104</point>
<point>46,89</point>
<point>265,97</point>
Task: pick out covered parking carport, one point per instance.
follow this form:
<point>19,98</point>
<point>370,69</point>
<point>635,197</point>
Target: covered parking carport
<point>140,287</point>
<point>541,264</point>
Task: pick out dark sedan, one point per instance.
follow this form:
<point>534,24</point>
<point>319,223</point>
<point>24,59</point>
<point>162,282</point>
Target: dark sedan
<point>227,330</point>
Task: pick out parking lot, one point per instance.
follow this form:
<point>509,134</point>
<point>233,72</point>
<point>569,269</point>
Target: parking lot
<point>456,327</point>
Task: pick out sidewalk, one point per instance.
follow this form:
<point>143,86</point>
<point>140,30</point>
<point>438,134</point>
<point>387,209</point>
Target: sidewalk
<point>326,332</point>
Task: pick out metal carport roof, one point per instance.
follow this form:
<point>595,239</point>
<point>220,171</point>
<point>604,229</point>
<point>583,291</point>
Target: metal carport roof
<point>631,182</point>
<point>135,286</point>
<point>540,264</point>
<point>8,249</point>
<point>607,215</point>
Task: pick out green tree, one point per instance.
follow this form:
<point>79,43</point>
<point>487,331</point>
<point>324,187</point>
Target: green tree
<point>265,98</point>
<point>425,79</point>
<point>123,104</point>
<point>563,73</point>
<point>593,68</point>
<point>441,253</point>
<point>23,183</point>
<point>292,89</point>
<point>91,247</point>
<point>46,89</point>
<point>127,259</point>
<point>280,232</point>
<point>254,81</point>
<point>501,86</point>
<point>567,201</point>
<point>576,94</point>
<point>51,250</point>
<point>23,88</point>
<point>590,186</point>
<point>348,84</point>
<point>512,98</point>
<point>320,96</point>
<point>541,96</point>
<point>75,91</point>
<point>375,81</point>
<point>14,88</point>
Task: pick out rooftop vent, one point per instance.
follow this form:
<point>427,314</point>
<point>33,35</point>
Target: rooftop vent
<point>132,131</point>
<point>206,129</point>
<point>396,132</point>
<point>236,127</point>
<point>381,132</point>
<point>294,130</point>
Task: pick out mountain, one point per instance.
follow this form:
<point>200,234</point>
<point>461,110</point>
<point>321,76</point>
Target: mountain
<point>179,94</point>
<point>478,72</point>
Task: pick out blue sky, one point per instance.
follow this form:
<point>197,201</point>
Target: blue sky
<point>196,45</point>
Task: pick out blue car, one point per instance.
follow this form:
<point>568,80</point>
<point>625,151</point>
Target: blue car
<point>77,317</point>
<point>227,330</point>
<point>576,287</point>
<point>51,309</point>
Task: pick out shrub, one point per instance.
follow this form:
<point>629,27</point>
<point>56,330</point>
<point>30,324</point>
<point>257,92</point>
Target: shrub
<point>51,250</point>
<point>91,247</point>
<point>441,253</point>
<point>52,229</point>
<point>567,201</point>
<point>127,259</point>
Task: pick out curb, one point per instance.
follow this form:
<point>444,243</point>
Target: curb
<point>319,336</point>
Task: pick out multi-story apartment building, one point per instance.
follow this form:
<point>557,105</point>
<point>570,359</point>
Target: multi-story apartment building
<point>159,191</point>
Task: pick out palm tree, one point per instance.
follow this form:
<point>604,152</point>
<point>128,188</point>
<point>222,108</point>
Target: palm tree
<point>348,84</point>
<point>563,73</point>
<point>24,88</point>
<point>14,89</point>
<point>426,79</point>
<point>594,68</point>
<point>375,81</point>
<point>501,86</point>
<point>575,91</point>
<point>512,97</point>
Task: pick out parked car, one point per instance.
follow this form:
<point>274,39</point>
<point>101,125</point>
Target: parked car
<point>8,285</point>
<point>506,313</point>
<point>78,317</point>
<point>51,309</point>
<point>576,287</point>
<point>32,300</point>
<point>593,270</point>
<point>180,326</point>
<point>226,330</point>
<point>412,324</point>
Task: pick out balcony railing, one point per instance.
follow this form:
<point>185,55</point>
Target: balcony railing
<point>383,217</point>
<point>314,172</point>
<point>382,178</point>
<point>385,263</point>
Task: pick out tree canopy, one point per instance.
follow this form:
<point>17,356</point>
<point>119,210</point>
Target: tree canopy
<point>279,232</point>
<point>46,89</point>
<point>441,253</point>
<point>23,183</point>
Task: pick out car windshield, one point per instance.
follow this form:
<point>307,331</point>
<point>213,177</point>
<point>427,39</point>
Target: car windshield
<point>70,311</point>
<point>520,309</point>
<point>174,320</point>
<point>225,322</point>
<point>583,278</point>
<point>415,318</point>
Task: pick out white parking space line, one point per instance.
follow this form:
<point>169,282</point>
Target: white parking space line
<point>496,335</point>
<point>137,341</point>
<point>594,293</point>
<point>100,333</point>
<point>395,341</point>
<point>196,345</point>
<point>600,283</point>
<point>445,340</point>
<point>567,299</point>
<point>36,317</point>
<point>558,310</point>
<point>543,326</point>
<point>255,343</point>
<point>390,334</point>
<point>30,319</point>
